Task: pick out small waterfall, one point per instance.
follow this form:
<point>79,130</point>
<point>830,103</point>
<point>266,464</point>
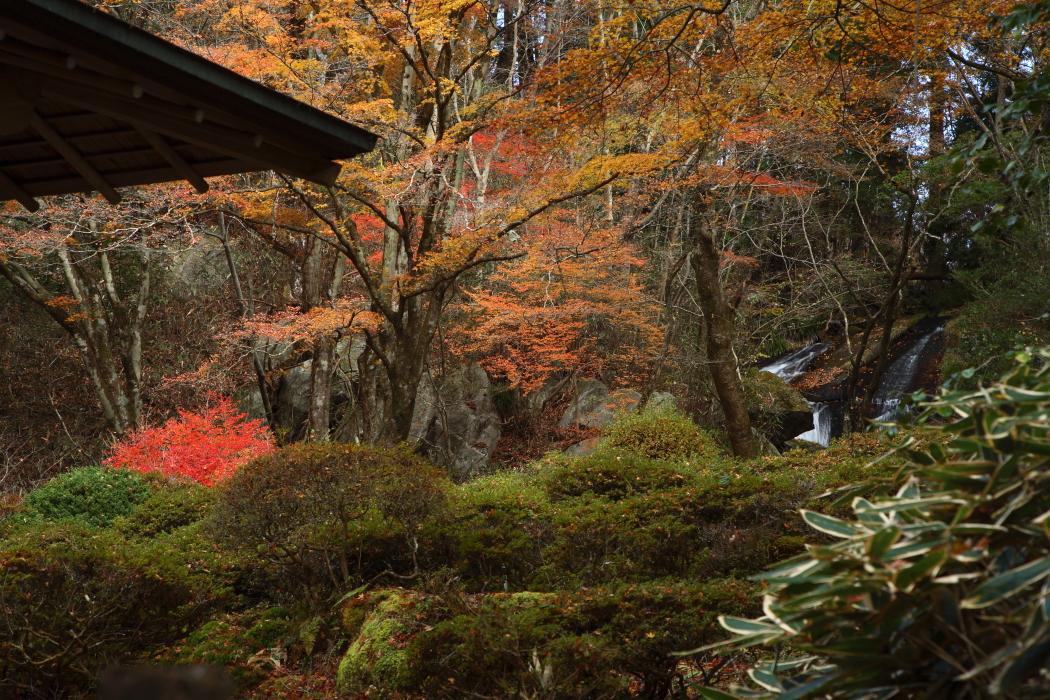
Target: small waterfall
<point>821,432</point>
<point>900,377</point>
<point>793,365</point>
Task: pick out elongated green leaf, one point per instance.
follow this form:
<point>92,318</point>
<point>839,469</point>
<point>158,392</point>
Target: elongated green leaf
<point>911,549</point>
<point>713,694</point>
<point>881,541</point>
<point>808,688</point>
<point>1006,584</point>
<point>909,504</point>
<point>798,567</point>
<point>740,625</point>
<point>1023,667</point>
<point>928,565</point>
<point>766,679</point>
<point>734,643</point>
<point>830,526</point>
<point>978,529</point>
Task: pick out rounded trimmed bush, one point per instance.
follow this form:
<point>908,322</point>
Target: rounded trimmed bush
<point>661,434</point>
<point>617,473</point>
<point>321,515</point>
<point>93,495</point>
<point>493,531</point>
<point>167,509</point>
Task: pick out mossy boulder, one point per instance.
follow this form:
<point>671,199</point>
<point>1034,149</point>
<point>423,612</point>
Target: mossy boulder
<point>595,643</point>
<point>377,660</point>
<point>248,644</point>
<point>777,409</point>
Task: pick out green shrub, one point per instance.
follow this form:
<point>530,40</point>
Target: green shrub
<point>75,599</point>
<point>215,576</point>
<point>616,516</point>
<point>492,533</point>
<point>616,473</point>
<point>93,495</point>
<point>321,515</point>
<point>984,334</point>
<point>167,508</point>
<point>939,586</point>
<point>661,434</point>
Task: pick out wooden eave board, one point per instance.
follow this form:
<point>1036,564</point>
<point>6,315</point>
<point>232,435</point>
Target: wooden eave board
<point>88,102</point>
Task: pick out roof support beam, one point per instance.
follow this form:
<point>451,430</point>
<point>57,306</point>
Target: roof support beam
<point>15,191</point>
<point>174,159</point>
<point>73,157</point>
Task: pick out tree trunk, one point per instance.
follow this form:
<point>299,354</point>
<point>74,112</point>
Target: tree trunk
<point>720,327</point>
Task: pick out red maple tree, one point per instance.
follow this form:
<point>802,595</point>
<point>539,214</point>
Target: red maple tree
<point>207,446</point>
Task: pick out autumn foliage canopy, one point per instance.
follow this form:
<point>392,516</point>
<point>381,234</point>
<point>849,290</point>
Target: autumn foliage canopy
<point>207,446</point>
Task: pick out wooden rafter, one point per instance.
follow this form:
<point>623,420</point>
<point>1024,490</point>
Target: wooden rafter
<point>73,156</point>
<point>15,191</point>
<point>174,159</point>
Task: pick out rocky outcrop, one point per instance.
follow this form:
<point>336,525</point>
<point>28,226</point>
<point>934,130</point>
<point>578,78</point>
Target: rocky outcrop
<point>456,423</point>
<point>593,405</point>
<point>661,401</point>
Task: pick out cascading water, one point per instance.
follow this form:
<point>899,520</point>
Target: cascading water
<point>821,432</point>
<point>791,367</point>
<point>900,376</point>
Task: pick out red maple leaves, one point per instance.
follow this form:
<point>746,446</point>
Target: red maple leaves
<point>207,447</point>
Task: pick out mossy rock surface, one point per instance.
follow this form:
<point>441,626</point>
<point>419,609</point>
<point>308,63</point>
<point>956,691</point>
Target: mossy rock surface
<point>778,410</point>
<point>595,643</point>
<point>377,659</point>
<point>247,644</point>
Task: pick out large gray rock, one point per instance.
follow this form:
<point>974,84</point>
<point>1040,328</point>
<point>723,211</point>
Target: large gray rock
<point>292,401</point>
<point>582,448</point>
<point>536,400</point>
<point>455,423</point>
<point>292,405</point>
<point>199,268</point>
<point>661,401</point>
<point>593,405</point>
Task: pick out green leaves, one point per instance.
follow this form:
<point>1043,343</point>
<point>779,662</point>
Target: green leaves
<point>921,569</point>
<point>1005,585</point>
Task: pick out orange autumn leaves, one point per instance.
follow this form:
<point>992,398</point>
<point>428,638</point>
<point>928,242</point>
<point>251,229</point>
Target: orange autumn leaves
<point>573,304</point>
